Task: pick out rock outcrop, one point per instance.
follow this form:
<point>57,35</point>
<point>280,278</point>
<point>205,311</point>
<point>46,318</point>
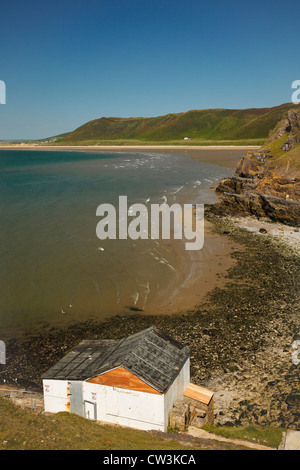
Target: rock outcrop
<point>267,183</point>
<point>188,412</point>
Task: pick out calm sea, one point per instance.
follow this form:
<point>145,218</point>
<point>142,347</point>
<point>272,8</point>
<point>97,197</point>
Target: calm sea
<point>52,265</point>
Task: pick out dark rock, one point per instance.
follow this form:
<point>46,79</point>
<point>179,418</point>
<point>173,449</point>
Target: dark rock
<point>236,184</point>
<point>287,146</point>
<point>256,187</point>
<point>286,211</point>
<point>293,400</point>
<point>282,210</point>
<point>133,309</point>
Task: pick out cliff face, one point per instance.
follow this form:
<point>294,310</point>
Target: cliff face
<point>267,183</point>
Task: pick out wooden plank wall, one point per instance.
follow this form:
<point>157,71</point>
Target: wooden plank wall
<point>122,378</point>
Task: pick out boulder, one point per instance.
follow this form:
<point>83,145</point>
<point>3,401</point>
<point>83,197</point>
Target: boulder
<point>286,211</point>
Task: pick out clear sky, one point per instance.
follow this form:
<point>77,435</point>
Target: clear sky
<point>66,62</point>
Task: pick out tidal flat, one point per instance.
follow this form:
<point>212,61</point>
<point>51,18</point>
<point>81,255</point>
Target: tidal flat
<point>240,336</point>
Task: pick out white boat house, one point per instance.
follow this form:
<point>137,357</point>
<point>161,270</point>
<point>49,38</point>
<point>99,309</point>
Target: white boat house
<point>132,381</point>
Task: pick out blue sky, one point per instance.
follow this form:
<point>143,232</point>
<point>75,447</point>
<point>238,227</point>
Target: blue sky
<point>69,61</point>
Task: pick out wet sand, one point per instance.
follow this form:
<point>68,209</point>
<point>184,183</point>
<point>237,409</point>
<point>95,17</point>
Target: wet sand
<point>191,150</point>
<point>199,272</point>
<point>207,270</point>
<point>241,338</point>
<point>131,147</point>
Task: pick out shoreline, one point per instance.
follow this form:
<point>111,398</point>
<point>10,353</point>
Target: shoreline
<point>206,268</point>
<point>199,272</point>
<point>194,151</point>
<point>206,271</point>
<point>240,334</point>
<point>130,147</point>
<point>240,337</point>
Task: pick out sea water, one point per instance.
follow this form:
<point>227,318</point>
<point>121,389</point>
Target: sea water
<point>52,265</point>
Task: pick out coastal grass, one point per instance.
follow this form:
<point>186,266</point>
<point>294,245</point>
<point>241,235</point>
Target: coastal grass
<point>282,161</point>
<point>241,335</point>
<point>142,143</point>
<point>265,435</point>
<point>21,429</point>
<point>138,142</point>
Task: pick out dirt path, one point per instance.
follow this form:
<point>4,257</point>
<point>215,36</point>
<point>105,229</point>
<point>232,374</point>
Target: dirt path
<point>200,433</point>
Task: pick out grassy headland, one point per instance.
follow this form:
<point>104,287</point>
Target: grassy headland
<point>202,127</point>
<point>267,182</point>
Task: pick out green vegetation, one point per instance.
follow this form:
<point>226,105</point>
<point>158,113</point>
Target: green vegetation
<point>22,430</point>
<point>204,127</point>
<point>265,435</point>
<point>279,160</point>
<point>136,142</point>
<point>282,160</point>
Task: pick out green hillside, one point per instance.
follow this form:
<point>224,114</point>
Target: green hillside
<point>210,125</point>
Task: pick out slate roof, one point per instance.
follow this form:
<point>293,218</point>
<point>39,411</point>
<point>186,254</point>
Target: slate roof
<point>151,355</point>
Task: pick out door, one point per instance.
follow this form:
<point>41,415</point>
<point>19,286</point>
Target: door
<point>76,397</point>
<point>90,410</point>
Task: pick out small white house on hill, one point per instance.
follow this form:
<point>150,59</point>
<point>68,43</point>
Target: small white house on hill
<point>132,382</point>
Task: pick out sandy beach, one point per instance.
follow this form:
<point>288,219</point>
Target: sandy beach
<point>127,147</point>
<point>196,273</point>
<point>206,272</point>
<point>204,153</point>
<point>241,335</point>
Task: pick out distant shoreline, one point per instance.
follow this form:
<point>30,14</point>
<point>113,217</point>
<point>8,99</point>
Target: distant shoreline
<point>186,294</point>
<point>204,153</point>
<point>131,147</point>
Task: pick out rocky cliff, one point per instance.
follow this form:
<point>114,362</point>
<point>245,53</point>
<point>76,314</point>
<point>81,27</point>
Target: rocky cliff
<point>267,183</point>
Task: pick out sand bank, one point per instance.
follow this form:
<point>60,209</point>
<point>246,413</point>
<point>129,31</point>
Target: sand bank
<point>196,273</point>
<point>206,270</point>
<point>126,147</point>
<point>204,153</point>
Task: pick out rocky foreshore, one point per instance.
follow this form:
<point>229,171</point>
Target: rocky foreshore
<point>256,204</point>
<point>240,338</point>
<point>266,183</point>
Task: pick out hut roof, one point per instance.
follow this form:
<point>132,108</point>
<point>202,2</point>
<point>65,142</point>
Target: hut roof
<point>152,355</point>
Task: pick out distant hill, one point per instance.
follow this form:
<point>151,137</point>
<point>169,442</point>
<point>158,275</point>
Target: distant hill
<point>204,125</point>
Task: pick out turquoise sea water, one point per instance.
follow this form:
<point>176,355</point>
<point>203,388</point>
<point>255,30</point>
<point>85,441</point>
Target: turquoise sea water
<point>52,265</point>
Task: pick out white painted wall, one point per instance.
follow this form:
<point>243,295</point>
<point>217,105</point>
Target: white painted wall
<point>55,395</point>
<point>175,392</point>
<point>131,408</point>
